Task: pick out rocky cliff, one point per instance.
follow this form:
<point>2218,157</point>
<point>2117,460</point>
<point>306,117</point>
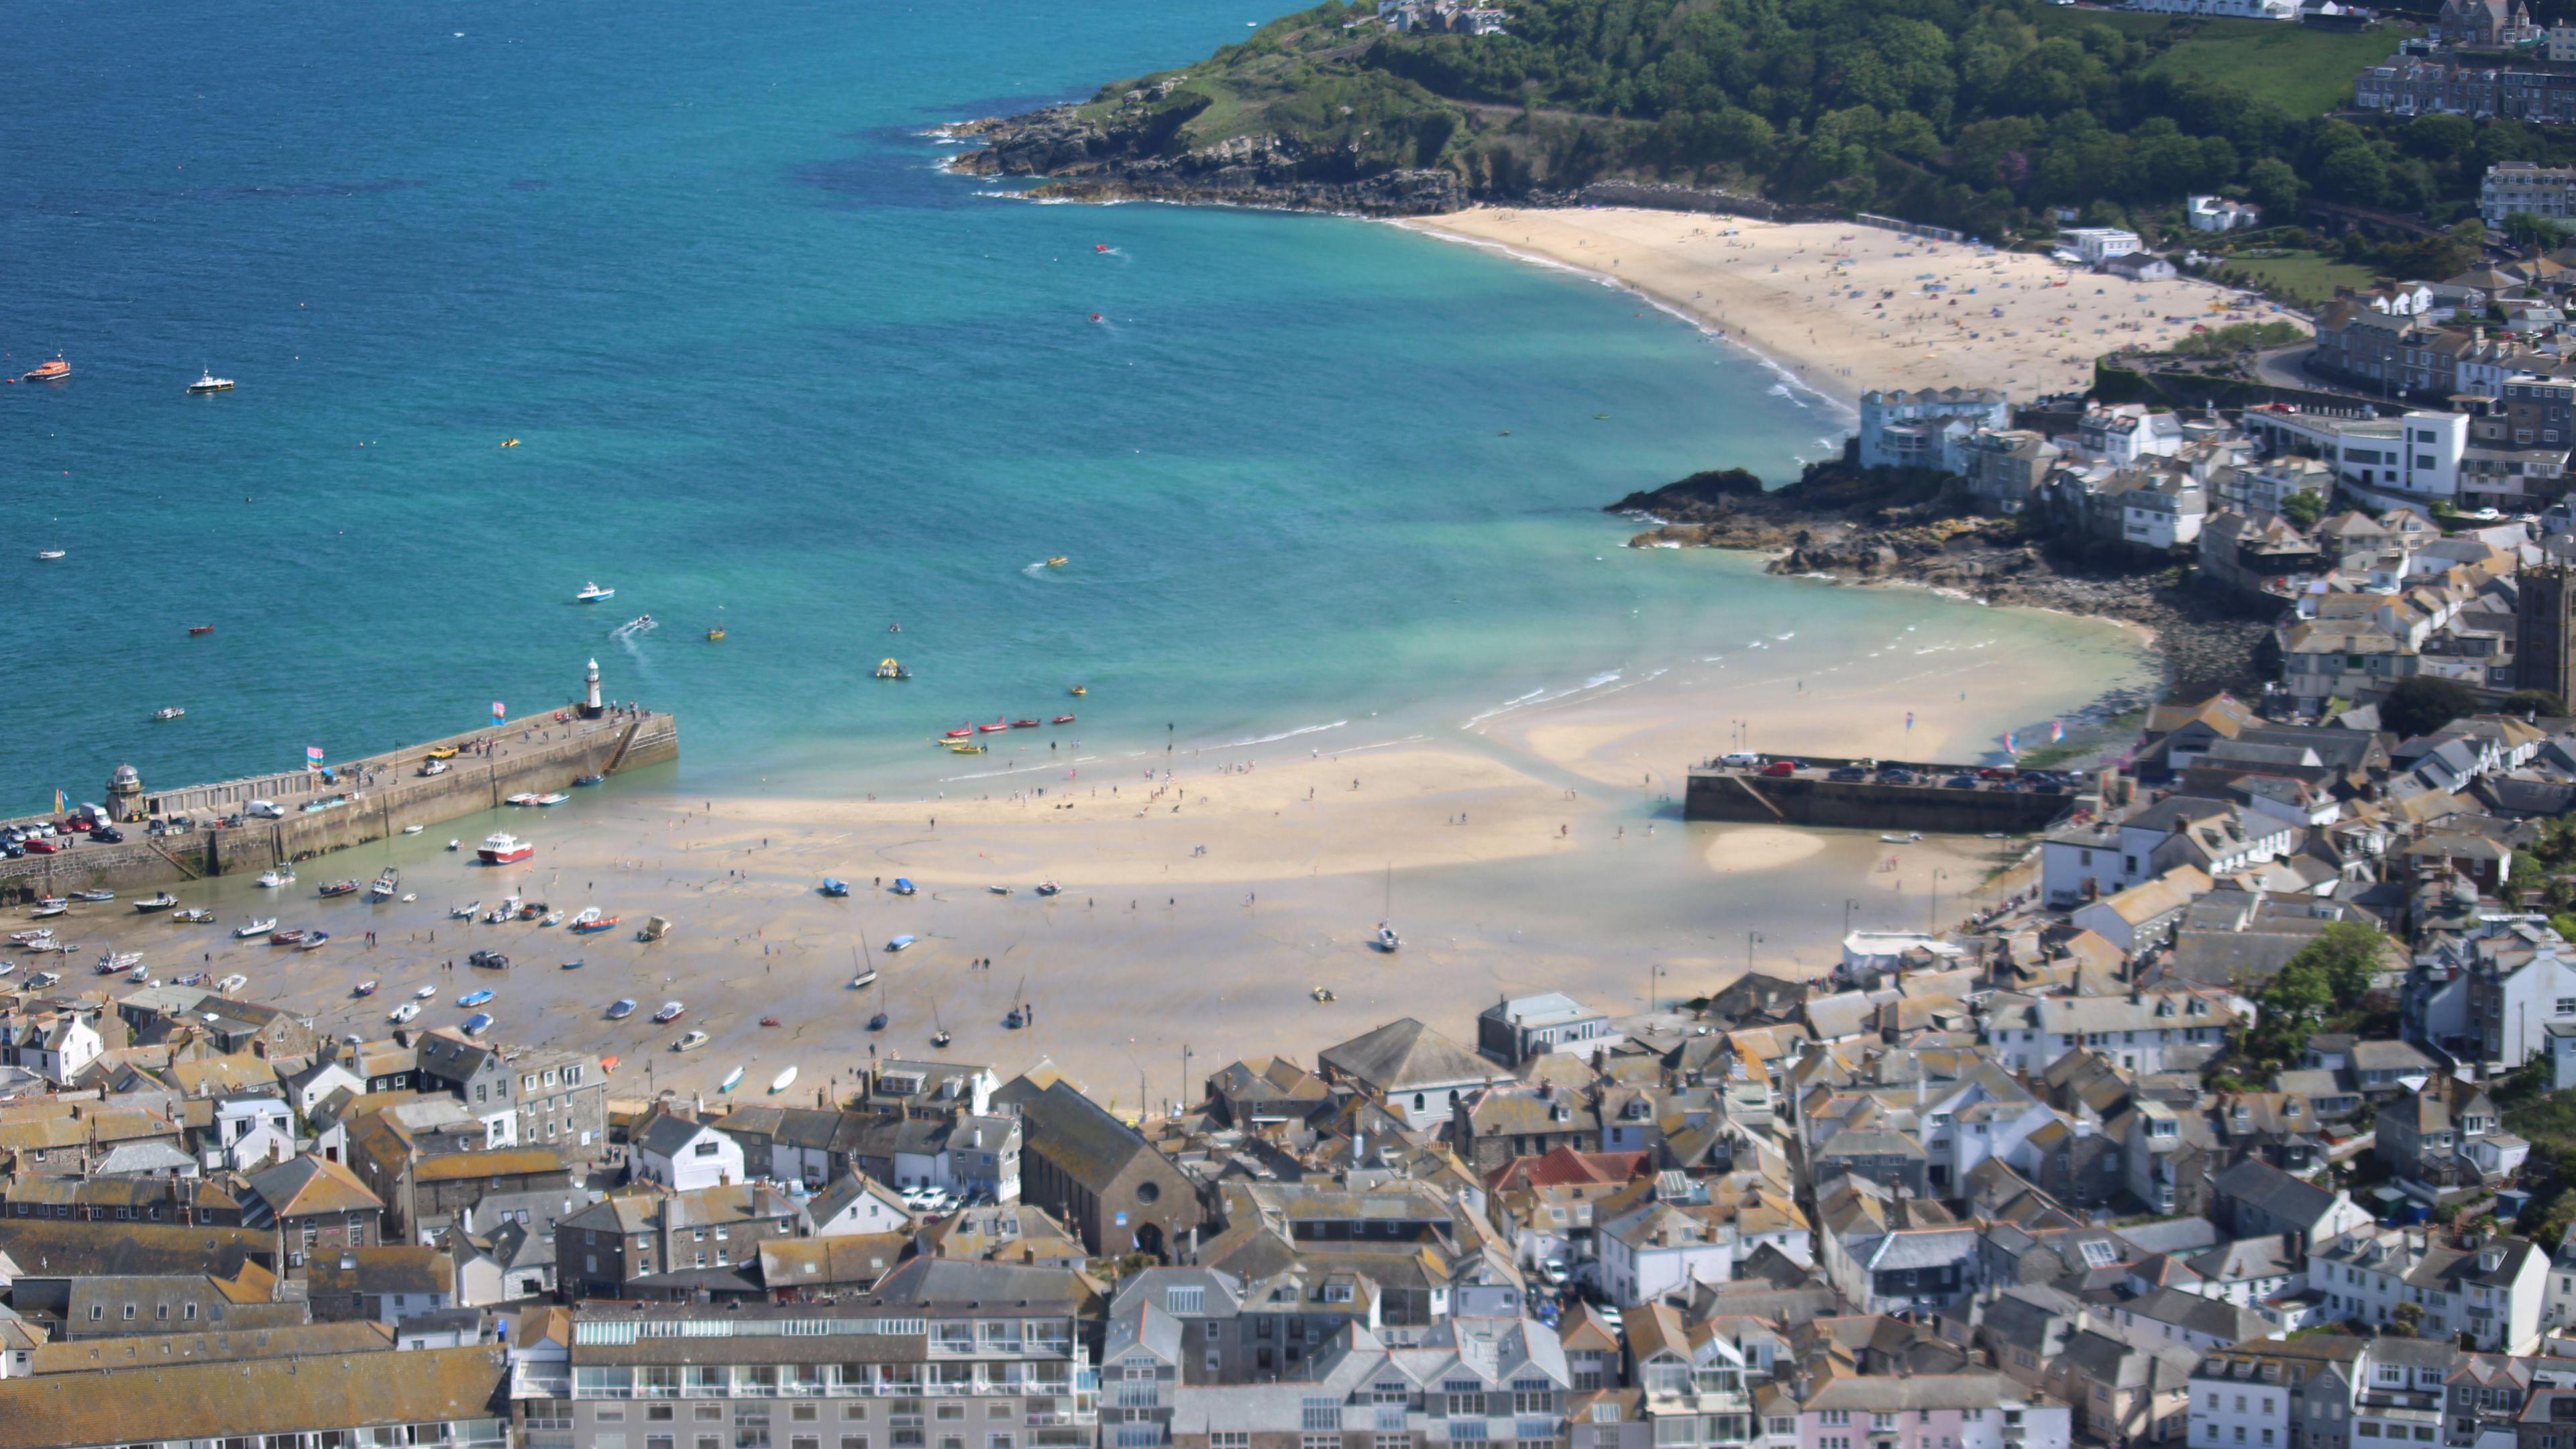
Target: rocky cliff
<point>1139,153</point>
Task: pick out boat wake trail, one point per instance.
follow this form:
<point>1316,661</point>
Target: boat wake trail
<point>1544,696</point>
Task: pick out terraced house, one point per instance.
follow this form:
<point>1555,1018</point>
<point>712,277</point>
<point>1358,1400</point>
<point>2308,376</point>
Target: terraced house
<point>943,1355</point>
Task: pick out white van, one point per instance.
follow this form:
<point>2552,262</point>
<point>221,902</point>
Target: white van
<point>264,809</point>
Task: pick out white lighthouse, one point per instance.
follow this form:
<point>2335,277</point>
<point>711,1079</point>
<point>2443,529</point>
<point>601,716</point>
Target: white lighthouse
<point>590,705</point>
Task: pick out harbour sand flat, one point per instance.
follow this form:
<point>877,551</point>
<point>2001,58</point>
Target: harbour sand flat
<point>1538,849</point>
<point>1843,307</point>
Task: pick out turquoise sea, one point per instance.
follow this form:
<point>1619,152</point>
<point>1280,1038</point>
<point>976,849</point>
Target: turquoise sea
<point>771,369</point>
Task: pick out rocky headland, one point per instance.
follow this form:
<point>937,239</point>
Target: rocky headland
<point>1136,154</point>
<point>1877,530</point>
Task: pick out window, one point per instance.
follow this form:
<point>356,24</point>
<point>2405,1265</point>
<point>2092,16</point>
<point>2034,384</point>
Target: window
<point>804,1413</point>
<point>1230,1439</point>
<point>1185,1301</point>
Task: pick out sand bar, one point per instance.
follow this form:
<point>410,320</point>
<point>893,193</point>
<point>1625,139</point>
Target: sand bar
<point>1843,308</point>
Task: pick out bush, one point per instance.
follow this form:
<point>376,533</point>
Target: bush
<point>2423,704</point>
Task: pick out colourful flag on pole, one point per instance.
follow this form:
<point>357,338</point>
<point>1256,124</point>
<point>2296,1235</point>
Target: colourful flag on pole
<point>1909,721</point>
<point>58,802</point>
<point>498,713</point>
<point>2056,731</point>
<point>313,754</point>
<point>2012,745</point>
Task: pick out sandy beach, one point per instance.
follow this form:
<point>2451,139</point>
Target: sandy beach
<point>1538,848</point>
<point>1843,307</point>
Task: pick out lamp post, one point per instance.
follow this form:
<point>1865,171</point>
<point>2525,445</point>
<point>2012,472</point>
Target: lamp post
<point>1849,905</point>
<point>1751,938</point>
<point>1653,975</point>
<point>1934,923</point>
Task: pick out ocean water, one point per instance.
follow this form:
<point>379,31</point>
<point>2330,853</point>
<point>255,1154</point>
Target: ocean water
<point>769,368</point>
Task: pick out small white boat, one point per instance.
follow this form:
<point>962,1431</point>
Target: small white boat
<point>410,896</point>
<point>1048,888</point>
<point>48,555</point>
<point>170,711</point>
<point>364,988</point>
<point>732,1080</point>
<point>453,844</point>
<point>259,926</point>
<point>30,937</point>
<point>42,912</point>
<point>864,979</point>
<point>160,902</point>
<point>50,903</point>
<point>586,916</point>
<point>1911,837</point>
<point>194,915</point>
<point>465,912</point>
<point>999,890</point>
<point>207,382</point>
<point>270,880</point>
<point>524,797</point>
<point>424,993</point>
<point>411,830</point>
<point>403,1013</point>
<point>232,983</point>
<point>551,918</point>
<point>782,1081</point>
<point>94,895</point>
<point>593,594</point>
<point>1387,940</point>
<point>140,975</point>
<point>552,797</point>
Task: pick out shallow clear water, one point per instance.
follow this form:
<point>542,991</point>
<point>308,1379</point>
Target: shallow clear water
<point>770,369</point>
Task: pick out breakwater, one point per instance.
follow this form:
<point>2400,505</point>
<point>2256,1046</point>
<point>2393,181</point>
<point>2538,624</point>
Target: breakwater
<point>370,798</point>
<point>1810,800</point>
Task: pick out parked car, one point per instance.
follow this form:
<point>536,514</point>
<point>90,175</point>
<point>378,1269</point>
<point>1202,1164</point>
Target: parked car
<point>42,846</point>
<point>1781,767</point>
<point>489,961</point>
<point>1897,775</point>
<point>1848,772</point>
<point>1997,772</point>
<point>1741,759</point>
<point>108,835</point>
<point>1960,782</point>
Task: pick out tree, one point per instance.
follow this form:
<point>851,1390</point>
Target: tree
<point>2403,1321</point>
<point>2534,233</point>
<point>2424,703</point>
<point>2346,954</point>
<point>2532,701</point>
<point>2276,188</point>
<point>2304,509</point>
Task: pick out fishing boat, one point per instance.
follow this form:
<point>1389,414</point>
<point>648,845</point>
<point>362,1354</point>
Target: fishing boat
<point>897,944</point>
<point>782,1081</point>
<point>385,885</point>
<point>48,909</point>
<point>111,962</point>
<point>669,1011</point>
<point>994,728</point>
<point>169,711</point>
<point>286,936</point>
<point>622,1008</point>
<point>54,371</point>
<point>593,594</point>
<point>270,880</point>
<point>363,988</point>
<point>889,669</point>
<point>1064,719</point>
<point>732,1079</point>
<point>464,912</point>
<point>195,629</point>
<point>689,1041</point>
<point>340,888</point>
<point>716,634</point>
<point>655,928</point>
<point>161,902</point>
<point>313,941</point>
<point>1024,724</point>
<point>903,886</point>
<point>259,927</point>
<point>835,888</point>
<point>39,933</point>
<point>95,893</point>
<point>503,848</point>
<point>52,903</point>
<point>1048,888</point>
<point>596,923</point>
<point>584,781</point>
<point>551,797</point>
<point>48,555</point>
<point>207,382</point>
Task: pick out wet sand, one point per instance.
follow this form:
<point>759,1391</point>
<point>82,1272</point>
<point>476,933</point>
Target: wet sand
<point>1539,849</point>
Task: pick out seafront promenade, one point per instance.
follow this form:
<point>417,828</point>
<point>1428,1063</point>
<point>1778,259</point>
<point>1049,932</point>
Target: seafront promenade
<point>368,798</point>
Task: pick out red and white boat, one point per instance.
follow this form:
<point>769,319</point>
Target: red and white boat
<point>999,724</point>
<point>960,733</point>
<point>1064,719</point>
<point>1024,724</point>
<point>503,848</point>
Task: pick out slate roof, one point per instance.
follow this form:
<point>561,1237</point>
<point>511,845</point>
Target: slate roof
<point>2259,1184</point>
<point>45,1249</point>
<point>302,1186</point>
<point>1404,1055</point>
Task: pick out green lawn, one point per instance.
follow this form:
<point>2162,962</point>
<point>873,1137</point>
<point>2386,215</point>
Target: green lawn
<point>2301,276</point>
<point>2305,72</point>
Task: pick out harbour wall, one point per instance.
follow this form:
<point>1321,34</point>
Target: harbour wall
<point>378,795</point>
<point>1744,799</point>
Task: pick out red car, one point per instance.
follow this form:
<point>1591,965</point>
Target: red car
<point>1781,767</point>
<point>39,845</point>
<point>1997,772</point>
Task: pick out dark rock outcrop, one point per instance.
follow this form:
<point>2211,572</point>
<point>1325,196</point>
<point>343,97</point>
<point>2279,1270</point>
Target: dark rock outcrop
<point>1142,157</point>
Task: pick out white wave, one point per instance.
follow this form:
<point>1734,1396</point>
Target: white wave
<point>1542,696</point>
<point>1282,735</point>
<point>1784,638</point>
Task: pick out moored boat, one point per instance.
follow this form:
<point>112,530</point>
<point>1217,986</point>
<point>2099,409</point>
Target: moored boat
<point>169,711</point>
<point>865,979</point>
<point>732,1079</point>
<point>313,941</point>
<point>194,915</point>
<point>622,1008</point>
<point>385,885</point>
<point>892,669</point>
<point>207,382</point>
<point>260,927</point>
<point>161,902</point>
<point>782,1081</point>
<point>551,797</point>
<point>581,780</point>
<point>363,988</point>
<point>994,728</point>
<point>195,629</point>
<point>339,888</point>
<point>668,1011</point>
<point>1024,724</point>
<point>270,880</point>
<point>1064,719</point>
<point>602,923</point>
<point>95,893</point>
<point>503,848</point>
<point>286,936</point>
<point>834,887</point>
<point>54,371</point>
<point>903,886</point>
<point>898,943</point>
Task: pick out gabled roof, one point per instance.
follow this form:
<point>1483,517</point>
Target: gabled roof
<point>303,1186</point>
<point>266,1396</point>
